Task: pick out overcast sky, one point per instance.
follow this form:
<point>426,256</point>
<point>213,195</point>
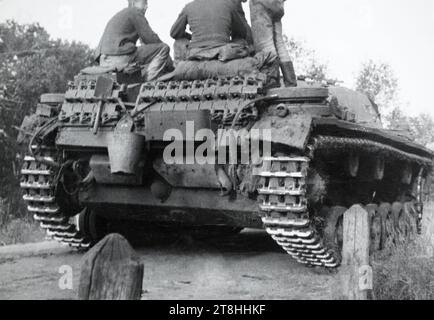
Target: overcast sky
<point>344,33</point>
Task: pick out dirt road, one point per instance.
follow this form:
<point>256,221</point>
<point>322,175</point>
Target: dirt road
<point>246,266</point>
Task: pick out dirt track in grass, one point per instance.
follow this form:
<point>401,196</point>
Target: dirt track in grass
<point>246,266</point>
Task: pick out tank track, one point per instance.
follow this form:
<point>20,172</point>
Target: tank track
<point>283,202</point>
<point>39,189</point>
<point>285,213</point>
<point>330,143</point>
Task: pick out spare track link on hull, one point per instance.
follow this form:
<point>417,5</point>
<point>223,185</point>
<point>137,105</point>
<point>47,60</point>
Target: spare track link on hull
<point>283,202</point>
<point>38,185</point>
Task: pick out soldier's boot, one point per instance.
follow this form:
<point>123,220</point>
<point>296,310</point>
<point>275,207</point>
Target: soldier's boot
<point>273,75</point>
<point>289,76</point>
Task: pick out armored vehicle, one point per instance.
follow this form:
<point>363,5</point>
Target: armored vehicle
<point>111,150</point>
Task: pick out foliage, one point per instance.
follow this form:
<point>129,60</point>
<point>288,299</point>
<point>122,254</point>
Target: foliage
<point>18,231</point>
<point>407,274</point>
<point>379,83</point>
<point>306,61</point>
<point>420,127</point>
<point>30,64</point>
<point>423,128</point>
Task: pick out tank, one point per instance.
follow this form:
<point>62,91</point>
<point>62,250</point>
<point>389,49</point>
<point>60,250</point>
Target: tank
<point>109,153</point>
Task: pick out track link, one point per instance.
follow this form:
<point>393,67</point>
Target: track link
<point>39,193</point>
<point>283,202</point>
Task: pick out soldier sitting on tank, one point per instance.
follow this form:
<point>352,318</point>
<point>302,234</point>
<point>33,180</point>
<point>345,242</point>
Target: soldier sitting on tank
<point>117,48</point>
<point>266,19</point>
<point>214,24</point>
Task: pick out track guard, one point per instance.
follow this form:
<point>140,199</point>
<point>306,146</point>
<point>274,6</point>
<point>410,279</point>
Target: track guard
<point>292,131</point>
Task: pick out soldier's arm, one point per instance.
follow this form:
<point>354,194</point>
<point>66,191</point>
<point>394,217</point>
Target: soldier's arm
<point>144,30</point>
<point>179,28</point>
<point>242,14</point>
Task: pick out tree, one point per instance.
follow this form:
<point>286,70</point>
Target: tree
<point>379,83</point>
<point>30,64</point>
<point>305,60</point>
<point>421,127</point>
<point>397,120</point>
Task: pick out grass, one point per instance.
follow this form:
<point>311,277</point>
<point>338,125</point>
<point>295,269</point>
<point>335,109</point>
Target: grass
<point>407,273</point>
<point>20,231</point>
<point>16,229</point>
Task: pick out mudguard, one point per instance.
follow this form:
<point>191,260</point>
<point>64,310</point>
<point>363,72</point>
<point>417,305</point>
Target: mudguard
<point>292,131</point>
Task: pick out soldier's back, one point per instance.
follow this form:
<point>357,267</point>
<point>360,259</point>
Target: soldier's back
<point>210,22</point>
<point>120,35</point>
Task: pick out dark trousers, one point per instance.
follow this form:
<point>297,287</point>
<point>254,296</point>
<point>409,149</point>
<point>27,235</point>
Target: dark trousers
<point>153,59</point>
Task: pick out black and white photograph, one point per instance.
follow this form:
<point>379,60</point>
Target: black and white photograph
<point>201,151</point>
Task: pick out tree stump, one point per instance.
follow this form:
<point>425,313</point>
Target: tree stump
<point>111,271</point>
<point>356,273</point>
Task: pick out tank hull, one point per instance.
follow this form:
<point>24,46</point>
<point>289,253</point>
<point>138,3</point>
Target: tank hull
<point>327,152</point>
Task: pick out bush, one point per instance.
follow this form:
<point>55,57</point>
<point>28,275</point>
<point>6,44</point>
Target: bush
<point>30,64</point>
<point>407,273</point>
<point>20,231</point>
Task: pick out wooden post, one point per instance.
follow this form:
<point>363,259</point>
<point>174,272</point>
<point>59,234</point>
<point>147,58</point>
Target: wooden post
<point>111,271</point>
<point>356,273</point>
<point>428,228</point>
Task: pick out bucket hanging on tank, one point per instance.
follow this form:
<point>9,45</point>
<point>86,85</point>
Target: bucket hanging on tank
<point>126,149</point>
